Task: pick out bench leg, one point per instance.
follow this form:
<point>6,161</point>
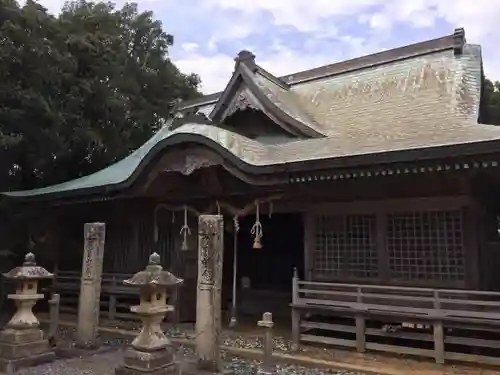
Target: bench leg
<point>295,330</point>
<point>360,334</point>
<point>438,342</point>
<point>112,307</point>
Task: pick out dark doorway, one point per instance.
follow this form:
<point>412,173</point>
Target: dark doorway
<point>269,269</point>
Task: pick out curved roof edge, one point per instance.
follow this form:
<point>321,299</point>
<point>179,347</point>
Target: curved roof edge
<point>245,154</point>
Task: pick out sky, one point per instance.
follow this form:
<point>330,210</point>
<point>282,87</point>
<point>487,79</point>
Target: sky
<point>288,36</point>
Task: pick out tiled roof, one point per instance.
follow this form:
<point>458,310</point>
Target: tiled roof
<point>424,96</point>
<point>287,101</point>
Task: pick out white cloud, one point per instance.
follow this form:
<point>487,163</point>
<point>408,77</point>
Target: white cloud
<point>190,47</point>
<point>304,15</point>
<point>477,17</point>
<point>372,25</point>
<point>215,70</point>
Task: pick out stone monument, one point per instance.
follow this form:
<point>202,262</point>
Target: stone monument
<point>208,304</point>
<point>151,351</point>
<point>90,289</point>
<point>21,342</point>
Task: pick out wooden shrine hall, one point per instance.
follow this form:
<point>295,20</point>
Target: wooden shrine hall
<point>374,178</point>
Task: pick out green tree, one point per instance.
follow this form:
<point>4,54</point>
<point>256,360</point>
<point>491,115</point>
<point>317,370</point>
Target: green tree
<point>81,90</point>
<point>490,111</point>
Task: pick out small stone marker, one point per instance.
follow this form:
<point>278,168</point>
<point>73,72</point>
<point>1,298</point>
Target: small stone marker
<point>54,317</point>
<point>90,289</point>
<point>267,367</point>
<point>21,342</point>
<point>151,351</point>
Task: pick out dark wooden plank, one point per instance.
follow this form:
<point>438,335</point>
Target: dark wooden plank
<point>327,326</point>
<point>399,349</point>
<point>328,340</point>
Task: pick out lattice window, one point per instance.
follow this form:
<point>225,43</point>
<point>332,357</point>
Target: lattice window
<point>426,246</point>
<point>346,246</point>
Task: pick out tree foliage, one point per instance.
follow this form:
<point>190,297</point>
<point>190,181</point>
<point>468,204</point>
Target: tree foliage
<point>80,90</point>
<point>491,102</point>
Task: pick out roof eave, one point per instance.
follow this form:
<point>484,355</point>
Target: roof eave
<point>349,161</point>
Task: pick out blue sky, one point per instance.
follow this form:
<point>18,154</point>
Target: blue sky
<point>293,35</point>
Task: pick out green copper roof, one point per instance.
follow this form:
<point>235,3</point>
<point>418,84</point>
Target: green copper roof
<point>251,154</point>
<point>243,148</point>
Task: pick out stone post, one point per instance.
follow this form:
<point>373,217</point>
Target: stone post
<point>268,324</point>
<point>151,351</point>
<point>208,304</point>
<point>21,341</point>
<point>90,289</point>
<point>54,317</point>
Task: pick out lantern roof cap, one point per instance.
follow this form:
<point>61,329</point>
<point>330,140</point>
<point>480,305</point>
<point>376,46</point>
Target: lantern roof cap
<point>29,270</point>
<point>154,275</point>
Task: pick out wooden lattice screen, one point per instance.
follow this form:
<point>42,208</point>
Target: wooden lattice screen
<point>346,246</point>
<point>426,246</point>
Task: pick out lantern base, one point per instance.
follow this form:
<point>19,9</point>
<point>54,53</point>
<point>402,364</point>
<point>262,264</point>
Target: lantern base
<point>160,362</point>
<point>15,355</point>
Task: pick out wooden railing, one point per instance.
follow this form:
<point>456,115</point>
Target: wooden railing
<point>116,297</point>
<point>462,323</point>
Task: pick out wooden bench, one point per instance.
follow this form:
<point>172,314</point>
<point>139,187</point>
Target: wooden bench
<point>116,297</point>
<point>355,313</point>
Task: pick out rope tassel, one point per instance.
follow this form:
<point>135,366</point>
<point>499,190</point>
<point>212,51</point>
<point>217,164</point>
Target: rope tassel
<point>257,229</point>
<point>185,231</point>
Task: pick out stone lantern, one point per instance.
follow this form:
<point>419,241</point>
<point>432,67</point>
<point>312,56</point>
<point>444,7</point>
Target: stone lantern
<point>21,341</point>
<point>151,351</point>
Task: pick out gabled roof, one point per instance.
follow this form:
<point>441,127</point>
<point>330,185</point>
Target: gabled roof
<point>261,90</point>
<point>419,101</point>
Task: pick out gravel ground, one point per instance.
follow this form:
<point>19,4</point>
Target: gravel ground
<point>104,364</point>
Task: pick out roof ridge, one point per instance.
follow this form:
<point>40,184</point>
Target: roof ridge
<point>455,41</point>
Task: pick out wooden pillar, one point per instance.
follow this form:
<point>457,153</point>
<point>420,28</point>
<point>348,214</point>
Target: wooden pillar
<point>90,289</point>
<point>295,313</point>
<point>382,251</point>
<point>208,306</point>
<point>360,324</point>
<point>471,228</point>
<point>438,332</point>
<point>309,243</point>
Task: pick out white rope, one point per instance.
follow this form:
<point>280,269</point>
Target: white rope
<point>185,230</point>
<point>257,227</point>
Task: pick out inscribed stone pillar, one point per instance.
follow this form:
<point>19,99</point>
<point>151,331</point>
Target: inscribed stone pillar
<point>208,306</point>
<point>90,289</point>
